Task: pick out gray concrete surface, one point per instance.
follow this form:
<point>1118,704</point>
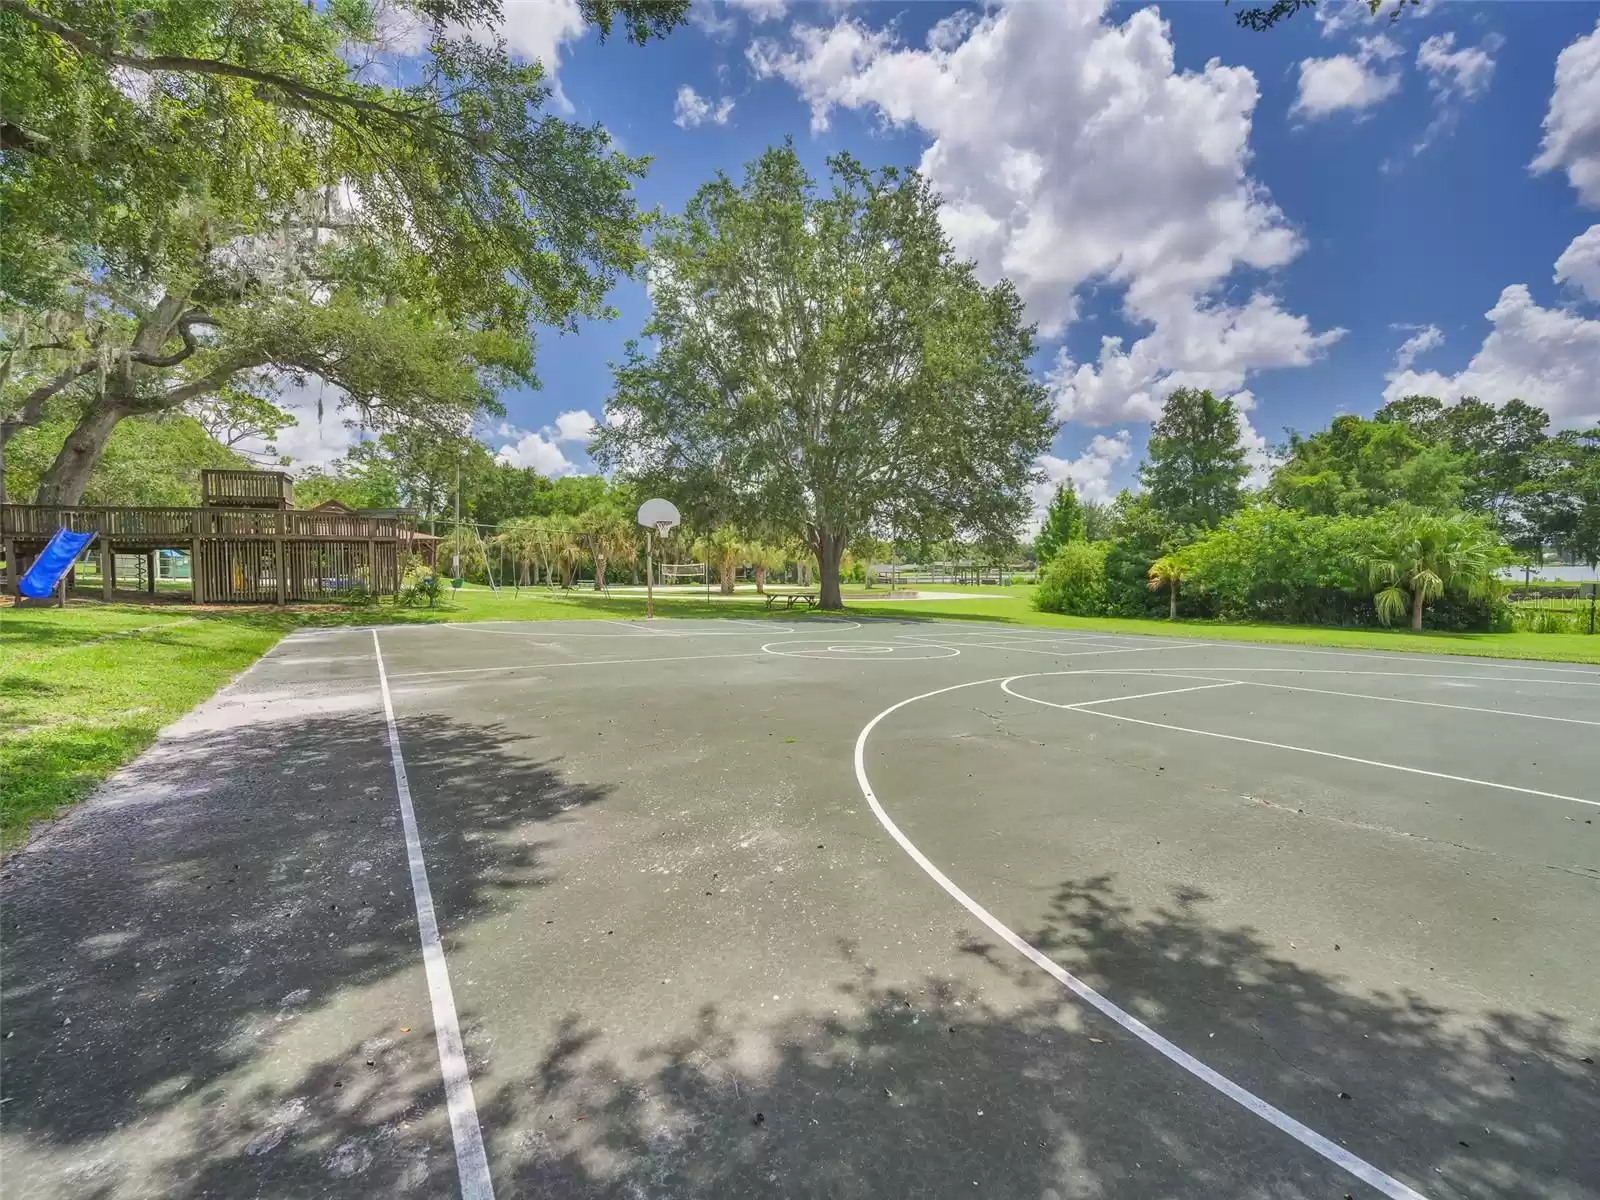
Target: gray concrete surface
<point>689,961</point>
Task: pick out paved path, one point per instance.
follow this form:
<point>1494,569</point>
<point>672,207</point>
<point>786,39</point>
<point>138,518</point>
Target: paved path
<point>705,934</point>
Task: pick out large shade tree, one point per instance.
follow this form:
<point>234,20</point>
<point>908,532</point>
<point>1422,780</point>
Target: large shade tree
<point>1496,446</point>
<point>196,191</point>
<point>820,363</point>
<point>1356,466</point>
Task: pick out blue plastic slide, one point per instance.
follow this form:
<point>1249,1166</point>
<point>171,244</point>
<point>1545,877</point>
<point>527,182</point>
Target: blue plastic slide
<point>54,561</point>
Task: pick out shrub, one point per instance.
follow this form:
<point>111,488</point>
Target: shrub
<point>360,590</point>
<point>1074,580</point>
<point>421,583</point>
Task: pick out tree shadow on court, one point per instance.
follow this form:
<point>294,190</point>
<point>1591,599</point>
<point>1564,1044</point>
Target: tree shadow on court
<point>234,884</point>
<point>989,1081</point>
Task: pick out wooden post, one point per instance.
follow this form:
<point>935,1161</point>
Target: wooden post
<point>150,571</point>
<point>108,570</point>
<point>195,583</point>
<point>372,567</point>
<point>13,568</point>
<point>277,571</point>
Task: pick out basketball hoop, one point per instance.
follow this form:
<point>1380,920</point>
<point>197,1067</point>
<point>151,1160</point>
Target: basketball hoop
<point>662,516</point>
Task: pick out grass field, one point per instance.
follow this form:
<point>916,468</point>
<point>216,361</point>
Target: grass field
<point>84,689</point>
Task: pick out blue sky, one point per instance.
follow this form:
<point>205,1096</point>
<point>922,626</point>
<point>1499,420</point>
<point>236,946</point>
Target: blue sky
<point>1271,215</point>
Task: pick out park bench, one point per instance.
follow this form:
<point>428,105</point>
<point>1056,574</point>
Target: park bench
<point>790,599</point>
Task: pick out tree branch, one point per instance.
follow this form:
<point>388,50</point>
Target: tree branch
<point>210,381</point>
<point>294,93</point>
<point>15,138</point>
<point>186,332</point>
<point>33,402</point>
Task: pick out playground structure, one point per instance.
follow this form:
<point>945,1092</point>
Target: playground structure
<point>246,543</point>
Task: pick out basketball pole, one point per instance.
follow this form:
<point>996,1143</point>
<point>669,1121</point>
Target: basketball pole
<point>649,578</point>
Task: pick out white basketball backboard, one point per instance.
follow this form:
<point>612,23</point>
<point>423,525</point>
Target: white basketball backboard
<point>660,515</point>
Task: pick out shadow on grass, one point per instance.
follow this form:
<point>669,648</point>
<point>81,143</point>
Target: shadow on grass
<point>162,943</point>
<point>989,1082</point>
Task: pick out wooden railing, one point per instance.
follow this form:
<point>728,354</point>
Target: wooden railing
<point>253,489</point>
<point>180,525</point>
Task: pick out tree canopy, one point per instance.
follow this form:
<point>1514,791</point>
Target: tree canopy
<point>1063,523</point>
<point>1195,462</point>
<point>1356,466</point>
<point>122,124</point>
<point>823,365</point>
<point>197,192</point>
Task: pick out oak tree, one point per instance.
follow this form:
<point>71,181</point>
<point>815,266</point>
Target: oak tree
<point>820,363</point>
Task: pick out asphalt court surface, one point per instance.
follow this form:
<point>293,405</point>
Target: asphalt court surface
<point>823,908</point>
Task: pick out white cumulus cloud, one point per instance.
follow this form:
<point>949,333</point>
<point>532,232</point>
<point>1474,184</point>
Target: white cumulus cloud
<point>1347,83</point>
<point>693,109</point>
<point>1454,77</point>
<point>1579,265</point>
<point>1465,73</point>
<point>1090,473</point>
<point>1071,152</point>
<point>761,10</point>
<point>1572,123</point>
<point>1204,346</point>
<point>1545,356</point>
<point>1258,455</point>
<point>534,450</point>
<point>575,426</point>
<point>1423,339</point>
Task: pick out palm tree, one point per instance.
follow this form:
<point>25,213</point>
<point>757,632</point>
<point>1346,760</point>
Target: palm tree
<point>1423,555</point>
<point>764,557</point>
<point>1167,572</point>
<point>520,539</point>
<point>564,543</point>
<point>610,535</point>
<point>723,551</point>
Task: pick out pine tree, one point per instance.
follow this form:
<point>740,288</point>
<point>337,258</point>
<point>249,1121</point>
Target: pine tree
<point>1063,523</point>
<point>1195,462</point>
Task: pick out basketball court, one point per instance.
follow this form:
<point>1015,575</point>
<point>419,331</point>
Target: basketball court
<point>822,908</point>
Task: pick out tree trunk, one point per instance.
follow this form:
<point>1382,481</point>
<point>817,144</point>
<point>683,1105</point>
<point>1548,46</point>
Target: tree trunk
<point>725,585</point>
<point>68,476</point>
<point>1172,600</point>
<point>1416,610</point>
<point>830,550</point>
<point>761,580</point>
<point>599,572</point>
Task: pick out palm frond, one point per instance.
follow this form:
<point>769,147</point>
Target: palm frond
<point>1391,604</point>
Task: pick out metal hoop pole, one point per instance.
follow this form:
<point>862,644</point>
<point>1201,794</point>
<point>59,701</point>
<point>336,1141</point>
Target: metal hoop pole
<point>649,578</point>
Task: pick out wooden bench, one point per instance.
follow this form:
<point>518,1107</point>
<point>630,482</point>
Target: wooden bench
<point>809,599</point>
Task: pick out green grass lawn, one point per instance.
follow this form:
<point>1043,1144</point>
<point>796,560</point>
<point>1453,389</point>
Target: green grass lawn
<point>84,689</point>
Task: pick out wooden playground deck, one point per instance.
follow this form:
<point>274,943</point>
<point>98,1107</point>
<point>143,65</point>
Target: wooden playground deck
<point>249,555</point>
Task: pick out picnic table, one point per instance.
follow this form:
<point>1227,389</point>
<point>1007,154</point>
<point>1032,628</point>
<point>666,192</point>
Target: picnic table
<point>809,599</point>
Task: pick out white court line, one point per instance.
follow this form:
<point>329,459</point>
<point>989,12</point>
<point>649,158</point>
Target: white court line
<point>1073,653</point>
<point>550,637</point>
<point>1363,671</point>
<point>1005,686</point>
<point>472,1163</point>
<point>638,630</point>
<point>589,662</point>
<point>1139,695</point>
<point>1304,1134</point>
<point>1400,656</point>
<point>1498,712</point>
